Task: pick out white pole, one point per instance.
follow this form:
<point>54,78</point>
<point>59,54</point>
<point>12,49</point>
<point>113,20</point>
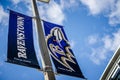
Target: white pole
<point>48,71</point>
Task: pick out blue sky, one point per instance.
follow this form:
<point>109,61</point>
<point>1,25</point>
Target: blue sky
<point>92,27</point>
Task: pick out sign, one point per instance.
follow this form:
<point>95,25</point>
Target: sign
<point>20,41</point>
<point>60,50</point>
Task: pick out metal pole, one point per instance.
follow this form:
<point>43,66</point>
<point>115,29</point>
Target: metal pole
<point>47,66</point>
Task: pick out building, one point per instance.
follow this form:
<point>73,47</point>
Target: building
<point>112,71</point>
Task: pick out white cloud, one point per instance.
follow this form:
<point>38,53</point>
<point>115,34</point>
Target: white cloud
<point>112,43</point>
<point>98,55</point>
<point>92,39</point>
<point>3,16</point>
<point>52,12</point>
<point>55,13</point>
<point>26,4</point>
<point>72,43</point>
<point>109,43</point>
<point>68,3</point>
<point>109,7</point>
<point>114,17</point>
<point>96,6</point>
<point>16,1</point>
<point>116,40</point>
<point>91,4</point>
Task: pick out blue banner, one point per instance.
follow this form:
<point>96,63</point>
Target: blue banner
<point>60,51</point>
<point>20,41</point>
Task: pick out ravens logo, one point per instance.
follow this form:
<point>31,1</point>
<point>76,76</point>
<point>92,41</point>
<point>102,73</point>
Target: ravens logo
<point>59,48</point>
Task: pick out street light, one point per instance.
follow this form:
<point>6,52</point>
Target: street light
<point>47,66</point>
<point>47,1</point>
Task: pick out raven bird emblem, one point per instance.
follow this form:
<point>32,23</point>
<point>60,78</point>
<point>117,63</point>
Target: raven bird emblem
<point>59,48</point>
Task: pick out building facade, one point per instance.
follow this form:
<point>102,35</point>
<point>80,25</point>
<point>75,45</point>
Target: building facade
<point>112,71</point>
